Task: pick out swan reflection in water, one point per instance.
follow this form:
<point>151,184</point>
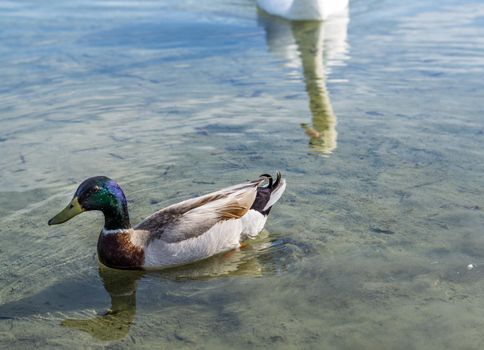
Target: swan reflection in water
<point>316,47</point>
<point>122,285</point>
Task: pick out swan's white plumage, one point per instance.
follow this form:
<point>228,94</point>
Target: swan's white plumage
<point>299,10</point>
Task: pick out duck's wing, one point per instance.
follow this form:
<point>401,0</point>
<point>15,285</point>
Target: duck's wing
<point>193,217</point>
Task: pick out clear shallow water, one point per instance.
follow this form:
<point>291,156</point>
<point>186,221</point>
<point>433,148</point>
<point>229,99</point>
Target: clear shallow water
<point>375,119</point>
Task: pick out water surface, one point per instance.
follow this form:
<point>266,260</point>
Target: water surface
<point>375,118</point>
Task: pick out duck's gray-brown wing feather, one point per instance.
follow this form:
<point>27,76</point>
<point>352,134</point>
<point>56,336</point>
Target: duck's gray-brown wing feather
<point>193,217</point>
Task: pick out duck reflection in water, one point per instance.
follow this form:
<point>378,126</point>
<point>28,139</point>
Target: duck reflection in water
<point>316,47</point>
<point>122,284</point>
<point>114,323</point>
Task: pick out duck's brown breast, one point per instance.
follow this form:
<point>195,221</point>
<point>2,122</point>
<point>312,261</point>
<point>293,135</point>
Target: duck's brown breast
<point>117,251</point>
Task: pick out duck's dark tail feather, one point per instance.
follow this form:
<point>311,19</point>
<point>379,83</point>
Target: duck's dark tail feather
<point>268,195</point>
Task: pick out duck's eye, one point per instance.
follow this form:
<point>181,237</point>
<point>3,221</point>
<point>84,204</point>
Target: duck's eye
<point>71,206</point>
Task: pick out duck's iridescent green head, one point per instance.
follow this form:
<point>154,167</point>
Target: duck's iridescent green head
<point>98,193</point>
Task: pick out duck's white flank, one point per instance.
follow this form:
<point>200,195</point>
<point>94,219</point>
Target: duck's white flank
<point>253,223</point>
<point>222,237</point>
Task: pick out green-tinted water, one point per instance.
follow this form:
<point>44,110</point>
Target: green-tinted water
<point>375,119</point>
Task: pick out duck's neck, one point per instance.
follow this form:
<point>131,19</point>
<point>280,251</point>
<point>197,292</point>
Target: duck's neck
<point>116,215</point>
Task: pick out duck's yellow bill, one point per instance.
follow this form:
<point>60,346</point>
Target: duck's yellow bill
<point>73,209</point>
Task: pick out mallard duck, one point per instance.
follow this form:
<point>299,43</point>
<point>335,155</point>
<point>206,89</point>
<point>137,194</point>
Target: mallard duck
<point>182,233</point>
<point>301,10</point>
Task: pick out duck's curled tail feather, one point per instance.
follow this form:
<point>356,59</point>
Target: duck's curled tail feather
<point>253,222</point>
<point>268,195</point>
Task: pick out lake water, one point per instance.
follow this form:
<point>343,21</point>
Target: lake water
<point>375,119</point>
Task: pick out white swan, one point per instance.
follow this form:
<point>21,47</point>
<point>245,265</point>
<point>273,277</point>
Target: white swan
<point>300,10</point>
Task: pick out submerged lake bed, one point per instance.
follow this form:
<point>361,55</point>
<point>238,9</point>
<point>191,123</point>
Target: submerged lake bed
<point>374,118</point>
